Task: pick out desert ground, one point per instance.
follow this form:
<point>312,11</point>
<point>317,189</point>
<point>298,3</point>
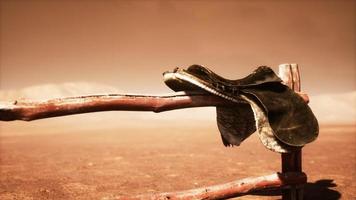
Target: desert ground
<point>128,161</point>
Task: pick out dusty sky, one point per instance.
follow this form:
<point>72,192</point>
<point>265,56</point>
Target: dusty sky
<point>128,44</point>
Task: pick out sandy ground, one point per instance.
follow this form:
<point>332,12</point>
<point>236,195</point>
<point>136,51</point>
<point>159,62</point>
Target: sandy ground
<point>97,165</point>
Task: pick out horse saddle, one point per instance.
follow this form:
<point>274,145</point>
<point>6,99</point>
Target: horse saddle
<point>284,122</point>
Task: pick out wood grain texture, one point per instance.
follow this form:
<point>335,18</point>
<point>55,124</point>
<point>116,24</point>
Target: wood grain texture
<point>228,190</point>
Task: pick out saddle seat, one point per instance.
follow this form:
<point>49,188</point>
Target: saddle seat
<point>283,120</point>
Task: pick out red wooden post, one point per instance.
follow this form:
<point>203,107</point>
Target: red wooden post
<point>291,162</point>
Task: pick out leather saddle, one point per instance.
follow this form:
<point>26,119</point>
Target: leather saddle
<point>284,122</point>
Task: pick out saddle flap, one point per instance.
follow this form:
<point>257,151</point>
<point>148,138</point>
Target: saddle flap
<point>290,117</point>
<point>235,123</point>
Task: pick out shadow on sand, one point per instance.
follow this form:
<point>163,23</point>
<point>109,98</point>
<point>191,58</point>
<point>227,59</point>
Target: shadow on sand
<point>319,190</point>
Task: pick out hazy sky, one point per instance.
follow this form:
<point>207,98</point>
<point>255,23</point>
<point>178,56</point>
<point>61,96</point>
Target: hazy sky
<point>128,44</point>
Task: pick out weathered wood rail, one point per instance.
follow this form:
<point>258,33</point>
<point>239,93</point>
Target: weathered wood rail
<point>29,110</point>
<point>229,190</point>
<point>33,110</point>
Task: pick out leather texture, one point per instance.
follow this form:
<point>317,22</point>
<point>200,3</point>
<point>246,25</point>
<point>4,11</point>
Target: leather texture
<point>283,120</point>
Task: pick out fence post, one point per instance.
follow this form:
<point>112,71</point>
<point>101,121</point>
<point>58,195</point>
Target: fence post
<point>291,162</point>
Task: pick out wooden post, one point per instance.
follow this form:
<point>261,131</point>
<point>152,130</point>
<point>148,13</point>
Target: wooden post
<point>291,162</point>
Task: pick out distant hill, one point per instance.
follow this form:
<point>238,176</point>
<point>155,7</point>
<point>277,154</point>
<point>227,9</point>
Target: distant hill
<point>50,91</point>
<point>335,108</point>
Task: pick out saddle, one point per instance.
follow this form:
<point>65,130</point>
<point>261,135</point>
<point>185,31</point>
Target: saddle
<point>284,122</point>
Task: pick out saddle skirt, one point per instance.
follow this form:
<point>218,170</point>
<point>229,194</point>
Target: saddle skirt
<point>284,122</point>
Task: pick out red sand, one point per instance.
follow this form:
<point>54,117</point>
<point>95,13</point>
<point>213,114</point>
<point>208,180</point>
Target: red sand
<point>95,165</point>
